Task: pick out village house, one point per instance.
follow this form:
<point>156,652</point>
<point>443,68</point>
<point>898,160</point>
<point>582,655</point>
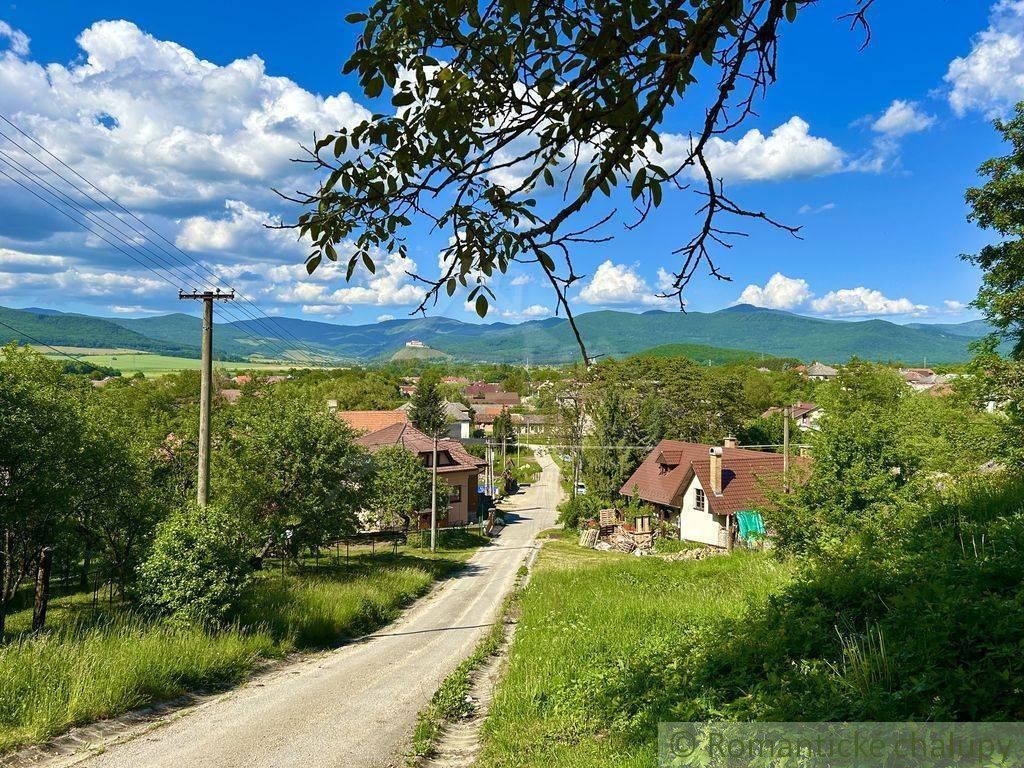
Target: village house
<point>371,421</point>
<point>484,416</point>
<point>820,372</point>
<point>704,490</point>
<point>806,415</point>
<point>527,424</point>
<point>455,466</point>
<point>460,419</point>
<point>927,380</point>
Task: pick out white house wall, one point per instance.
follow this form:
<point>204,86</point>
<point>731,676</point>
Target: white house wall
<point>698,525</point>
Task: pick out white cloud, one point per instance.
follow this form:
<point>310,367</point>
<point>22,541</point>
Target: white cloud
<point>852,302</point>
<point>618,285</point>
<point>531,312</point>
<point>902,118</point>
<point>134,310</point>
<point>384,318</point>
<point>794,293</point>
<point>241,229</point>
<point>390,285</point>
<point>29,262</point>
<point>150,121</point>
<point>17,41</point>
<point>788,151</point>
<point>780,292</point>
<point>522,279</point>
<point>810,209</point>
<point>78,281</point>
<point>953,306</point>
<point>990,78</point>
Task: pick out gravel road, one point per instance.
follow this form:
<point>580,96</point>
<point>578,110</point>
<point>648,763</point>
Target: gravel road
<point>355,706</point>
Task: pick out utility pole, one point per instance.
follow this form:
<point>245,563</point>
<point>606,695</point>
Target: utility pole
<point>785,447</point>
<point>433,498</point>
<point>206,388</point>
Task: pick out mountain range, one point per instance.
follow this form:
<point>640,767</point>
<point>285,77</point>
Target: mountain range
<point>548,341</point>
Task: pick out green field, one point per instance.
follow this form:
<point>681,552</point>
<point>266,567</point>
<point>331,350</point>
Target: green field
<point>590,671</point>
<point>130,363</point>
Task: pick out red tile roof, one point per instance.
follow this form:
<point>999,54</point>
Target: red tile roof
<point>407,436</point>
<point>495,398</point>
<point>666,473</point>
<point>371,421</point>
<point>481,388</point>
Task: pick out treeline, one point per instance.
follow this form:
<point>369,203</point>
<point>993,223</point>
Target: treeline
<point>612,412</point>
<point>97,483</point>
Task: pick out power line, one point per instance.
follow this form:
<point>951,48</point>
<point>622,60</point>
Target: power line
<point>119,236</point>
<point>63,198</point>
<point>28,136</point>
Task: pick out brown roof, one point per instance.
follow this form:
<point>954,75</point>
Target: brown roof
<point>371,421</point>
<point>496,398</point>
<point>666,472</point>
<point>452,456</point>
<point>487,414</point>
<point>481,388</point>
<point>744,481</point>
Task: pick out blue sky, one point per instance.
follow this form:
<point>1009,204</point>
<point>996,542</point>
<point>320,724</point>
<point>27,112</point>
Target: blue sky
<point>188,114</point>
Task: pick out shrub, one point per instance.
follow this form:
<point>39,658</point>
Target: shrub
<point>574,511</point>
<point>197,567</point>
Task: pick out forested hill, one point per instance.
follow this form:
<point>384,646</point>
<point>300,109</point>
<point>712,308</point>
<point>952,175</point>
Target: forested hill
<point>745,328</point>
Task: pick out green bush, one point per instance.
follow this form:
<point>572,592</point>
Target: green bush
<point>198,566</point>
<point>573,512</point>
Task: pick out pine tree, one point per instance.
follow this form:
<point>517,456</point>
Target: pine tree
<point>427,413</point>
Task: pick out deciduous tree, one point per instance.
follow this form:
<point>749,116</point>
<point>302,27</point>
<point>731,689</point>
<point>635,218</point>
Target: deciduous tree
<point>514,119</point>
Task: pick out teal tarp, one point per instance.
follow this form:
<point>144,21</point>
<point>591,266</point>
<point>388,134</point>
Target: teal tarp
<point>751,525</point>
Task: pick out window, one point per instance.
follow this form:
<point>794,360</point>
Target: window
<point>456,494</point>
<point>698,499</point>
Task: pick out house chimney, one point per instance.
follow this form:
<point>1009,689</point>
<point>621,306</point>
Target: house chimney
<point>731,442</point>
<point>715,455</point>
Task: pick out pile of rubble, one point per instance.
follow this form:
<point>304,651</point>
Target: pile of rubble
<point>699,553</point>
<point>611,533</point>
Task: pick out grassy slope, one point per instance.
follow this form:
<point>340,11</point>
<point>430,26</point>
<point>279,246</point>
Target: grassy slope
<point>80,331</point>
<point>159,365</point>
<point>575,693</point>
<point>99,662</point>
<point>417,353</point>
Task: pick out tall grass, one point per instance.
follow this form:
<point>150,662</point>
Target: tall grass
<point>91,666</point>
<point>79,674</point>
<point>323,610</point>
<point>585,682</point>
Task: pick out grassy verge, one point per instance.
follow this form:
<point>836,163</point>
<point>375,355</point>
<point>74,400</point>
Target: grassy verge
<point>451,700</point>
<point>589,670</point>
<point>100,662</point>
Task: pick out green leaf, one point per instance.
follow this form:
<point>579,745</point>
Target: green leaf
<point>356,18</point>
<point>370,266</point>
<point>791,11</point>
<point>312,263</point>
<point>402,99</point>
<point>481,305</point>
<point>638,183</point>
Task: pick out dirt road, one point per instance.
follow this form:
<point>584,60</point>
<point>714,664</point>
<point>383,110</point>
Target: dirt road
<point>355,706</point>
